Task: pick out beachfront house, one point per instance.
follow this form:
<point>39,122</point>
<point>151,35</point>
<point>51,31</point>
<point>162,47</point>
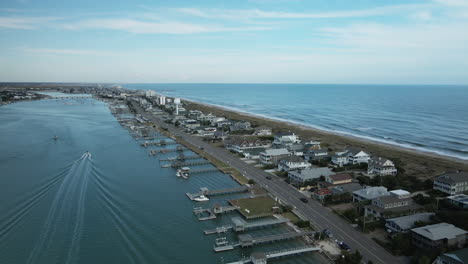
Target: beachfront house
<point>369,193</point>
<point>239,144</point>
<point>454,257</point>
<point>286,139</point>
<point>239,126</point>
<point>339,159</point>
<point>403,224</point>
<point>316,154</point>
<point>312,145</point>
<point>296,149</point>
<point>356,156</point>
<point>272,156</point>
<point>292,163</point>
<point>217,119</point>
<point>191,124</point>
<point>341,178</point>
<point>224,124</point>
<point>438,236</point>
<point>220,135</point>
<point>253,153</point>
<point>262,131</point>
<point>459,200</point>
<point>381,166</point>
<point>452,183</point>
<point>309,174</point>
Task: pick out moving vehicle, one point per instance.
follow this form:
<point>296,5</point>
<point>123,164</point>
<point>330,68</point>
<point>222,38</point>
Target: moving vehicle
<point>328,233</point>
<point>304,200</point>
<point>268,177</point>
<point>344,246</point>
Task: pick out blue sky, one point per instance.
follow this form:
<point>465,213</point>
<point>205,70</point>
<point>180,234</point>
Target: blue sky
<point>251,41</point>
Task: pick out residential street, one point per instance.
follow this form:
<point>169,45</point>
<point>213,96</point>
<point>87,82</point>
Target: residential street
<point>321,217</point>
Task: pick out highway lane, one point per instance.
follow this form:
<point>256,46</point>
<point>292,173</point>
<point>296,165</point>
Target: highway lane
<point>320,216</point>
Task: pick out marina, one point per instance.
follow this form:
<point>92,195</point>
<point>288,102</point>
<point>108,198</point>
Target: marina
<point>240,225</point>
<point>260,257</point>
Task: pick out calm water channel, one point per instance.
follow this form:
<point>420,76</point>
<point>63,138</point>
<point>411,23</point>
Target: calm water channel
<point>116,206</point>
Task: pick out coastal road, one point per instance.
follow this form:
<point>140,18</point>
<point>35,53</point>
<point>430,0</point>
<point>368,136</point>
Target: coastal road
<point>321,217</point>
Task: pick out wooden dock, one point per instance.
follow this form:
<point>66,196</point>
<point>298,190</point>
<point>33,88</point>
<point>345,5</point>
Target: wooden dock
<point>248,241</point>
<point>240,225</point>
<point>260,257</point>
<point>205,191</point>
<point>178,164</point>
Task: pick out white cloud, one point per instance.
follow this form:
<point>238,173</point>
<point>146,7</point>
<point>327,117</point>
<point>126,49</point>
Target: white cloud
<point>24,22</point>
<point>453,3</point>
<point>69,51</point>
<point>138,26</point>
<point>262,14</point>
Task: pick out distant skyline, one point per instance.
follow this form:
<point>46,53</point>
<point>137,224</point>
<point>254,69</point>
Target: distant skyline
<point>251,41</point>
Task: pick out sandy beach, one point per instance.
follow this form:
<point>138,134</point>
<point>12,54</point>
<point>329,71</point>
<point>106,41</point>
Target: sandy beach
<point>415,162</point>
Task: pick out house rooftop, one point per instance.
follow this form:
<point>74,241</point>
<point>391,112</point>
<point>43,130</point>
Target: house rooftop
<point>400,192</point>
<point>460,255</point>
<point>453,178</point>
<point>312,173</point>
<point>439,231</point>
<point>283,134</point>
<point>462,198</point>
<point>407,222</point>
<point>276,152</point>
<point>341,177</point>
<point>292,158</point>
<point>316,151</point>
<point>372,192</point>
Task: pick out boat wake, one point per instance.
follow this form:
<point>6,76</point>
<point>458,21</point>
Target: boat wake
<point>66,215</point>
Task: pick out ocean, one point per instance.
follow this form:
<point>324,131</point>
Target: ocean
<point>432,118</point>
<point>116,206</point>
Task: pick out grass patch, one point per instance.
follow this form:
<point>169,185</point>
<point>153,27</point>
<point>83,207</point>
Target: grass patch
<point>292,216</point>
<point>258,206</point>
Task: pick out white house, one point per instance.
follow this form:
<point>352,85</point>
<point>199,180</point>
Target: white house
<point>262,131</point>
<point>370,193</point>
<point>381,166</point>
<point>272,156</point>
<point>293,163</point>
<point>150,93</point>
<point>356,156</point>
<point>286,139</point>
<point>339,159</point>
<point>452,183</point>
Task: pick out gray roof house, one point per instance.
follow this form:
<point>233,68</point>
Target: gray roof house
<point>310,174</point>
<point>452,183</point>
<point>438,236</point>
<point>405,223</point>
<point>455,257</point>
<point>369,193</point>
<point>316,154</point>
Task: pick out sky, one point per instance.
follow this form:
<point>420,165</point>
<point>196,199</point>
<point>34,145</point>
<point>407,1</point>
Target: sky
<point>241,41</point>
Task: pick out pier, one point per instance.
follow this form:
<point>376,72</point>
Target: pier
<point>260,257</point>
<point>204,214</point>
<point>178,164</point>
<point>181,157</point>
<point>205,191</point>
<point>240,225</point>
<point>203,170</point>
<point>249,241</point>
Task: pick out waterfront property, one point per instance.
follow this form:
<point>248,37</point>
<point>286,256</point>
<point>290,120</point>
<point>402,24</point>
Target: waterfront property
<point>286,139</point>
<point>310,174</point>
<point>459,200</point>
<point>381,166</point>
<point>262,131</point>
<point>356,156</point>
<point>292,162</point>
<point>240,144</point>
<point>438,236</point>
<point>454,257</point>
<point>339,159</point>
<point>452,183</point>
<point>316,154</point>
<point>272,156</point>
<point>403,224</point>
<point>369,193</point>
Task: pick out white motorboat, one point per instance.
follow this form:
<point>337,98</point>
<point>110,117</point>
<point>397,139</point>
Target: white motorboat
<point>201,198</point>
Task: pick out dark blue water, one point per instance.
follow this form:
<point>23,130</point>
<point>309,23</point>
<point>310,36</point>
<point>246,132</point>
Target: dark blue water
<point>117,206</point>
<point>429,118</point>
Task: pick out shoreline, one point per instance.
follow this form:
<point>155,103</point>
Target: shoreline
<point>437,163</point>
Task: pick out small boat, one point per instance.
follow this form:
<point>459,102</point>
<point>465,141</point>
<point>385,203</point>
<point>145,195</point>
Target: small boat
<point>201,198</point>
<point>55,137</point>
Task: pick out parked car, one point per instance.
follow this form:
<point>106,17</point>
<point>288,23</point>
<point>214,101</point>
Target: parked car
<point>328,233</point>
<point>304,200</point>
<point>344,246</point>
